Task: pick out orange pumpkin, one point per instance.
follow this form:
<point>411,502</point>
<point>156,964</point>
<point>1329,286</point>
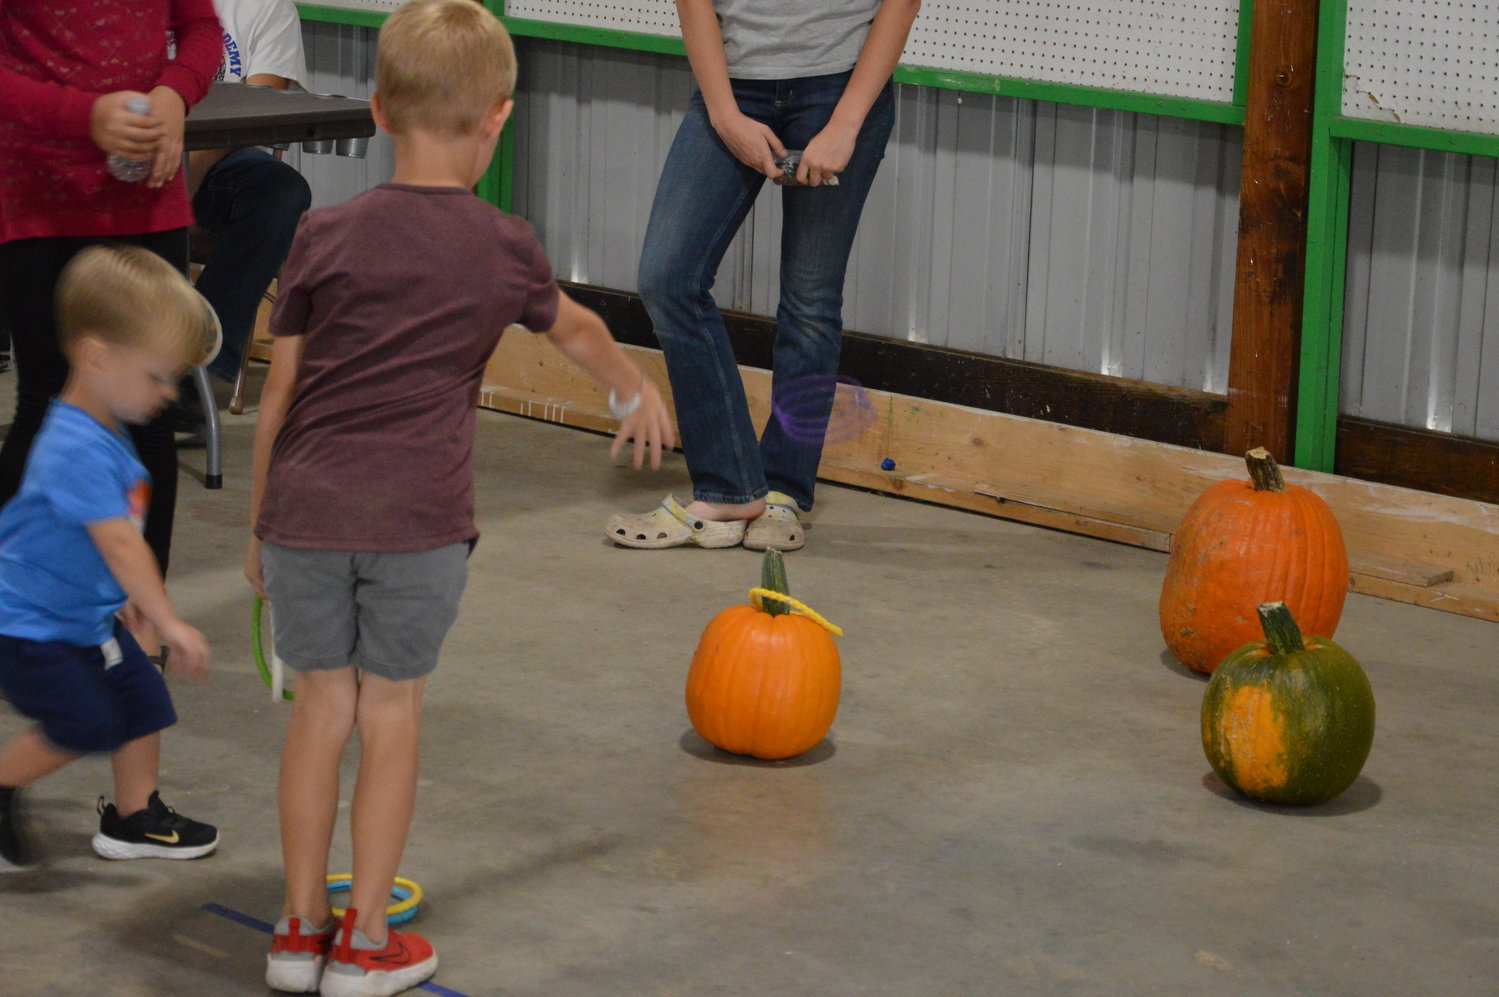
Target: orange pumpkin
<point>764,682</point>
<point>1246,543</point>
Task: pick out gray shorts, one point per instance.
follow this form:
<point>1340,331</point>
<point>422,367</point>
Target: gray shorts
<point>386,614</point>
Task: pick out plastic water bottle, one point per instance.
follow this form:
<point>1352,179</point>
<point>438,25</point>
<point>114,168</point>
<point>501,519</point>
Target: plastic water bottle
<point>131,170</point>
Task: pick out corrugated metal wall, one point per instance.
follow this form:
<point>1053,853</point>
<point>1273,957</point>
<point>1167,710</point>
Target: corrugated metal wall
<point>1089,240</point>
<point>1421,329</point>
<point>341,59</point>
<point>1084,239</point>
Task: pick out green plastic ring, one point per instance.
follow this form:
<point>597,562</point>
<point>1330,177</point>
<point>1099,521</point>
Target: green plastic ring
<point>259,648</point>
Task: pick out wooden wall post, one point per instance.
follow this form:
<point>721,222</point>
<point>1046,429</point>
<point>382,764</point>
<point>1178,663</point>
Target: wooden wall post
<point>1269,286</point>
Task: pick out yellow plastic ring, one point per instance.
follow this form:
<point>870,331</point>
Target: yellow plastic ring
<point>759,595</point>
<point>407,892</point>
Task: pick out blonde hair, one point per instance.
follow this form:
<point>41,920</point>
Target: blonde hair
<point>129,296</point>
<point>441,64</point>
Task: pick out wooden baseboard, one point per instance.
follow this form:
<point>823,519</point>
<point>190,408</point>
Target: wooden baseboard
<point>1465,467</point>
<point>1407,545</point>
<point>958,377</point>
<point>1418,458</point>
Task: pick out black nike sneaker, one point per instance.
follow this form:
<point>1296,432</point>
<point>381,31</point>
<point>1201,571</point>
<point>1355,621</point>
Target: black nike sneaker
<point>14,851</point>
<point>157,832</point>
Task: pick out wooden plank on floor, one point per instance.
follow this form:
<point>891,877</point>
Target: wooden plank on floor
<point>1081,480</point>
<point>1074,522</point>
<point>548,408</point>
<point>1397,570</point>
<point>1455,597</point>
<point>1404,524</point>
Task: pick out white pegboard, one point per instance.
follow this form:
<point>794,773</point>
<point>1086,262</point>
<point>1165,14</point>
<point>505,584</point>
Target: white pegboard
<point>651,17</point>
<point>1423,62</point>
<point>1171,48</point>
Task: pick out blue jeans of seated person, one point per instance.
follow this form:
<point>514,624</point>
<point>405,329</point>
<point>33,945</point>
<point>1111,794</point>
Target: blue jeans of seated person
<point>252,201</point>
<point>701,200</point>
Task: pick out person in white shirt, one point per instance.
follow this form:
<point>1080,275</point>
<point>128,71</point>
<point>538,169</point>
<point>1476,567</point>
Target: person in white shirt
<point>247,197</point>
<point>800,94</point>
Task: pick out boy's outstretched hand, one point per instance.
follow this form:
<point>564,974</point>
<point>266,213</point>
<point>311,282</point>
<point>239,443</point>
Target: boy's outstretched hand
<point>254,572</point>
<point>134,567</point>
<point>649,426</point>
<point>189,649</point>
<point>584,339</point>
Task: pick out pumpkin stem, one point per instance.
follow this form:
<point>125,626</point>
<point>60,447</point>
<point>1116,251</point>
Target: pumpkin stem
<point>1281,632</point>
<point>1264,473</point>
<point>773,577</point>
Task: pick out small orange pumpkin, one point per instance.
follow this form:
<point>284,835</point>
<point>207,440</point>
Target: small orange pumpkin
<point>764,682</point>
<point>1242,544</point>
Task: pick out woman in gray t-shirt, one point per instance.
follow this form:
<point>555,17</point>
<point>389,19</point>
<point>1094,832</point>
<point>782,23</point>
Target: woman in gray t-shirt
<point>774,76</point>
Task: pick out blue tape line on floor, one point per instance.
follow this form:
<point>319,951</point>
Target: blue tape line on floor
<point>255,924</point>
<point>238,918</point>
<point>441,991</point>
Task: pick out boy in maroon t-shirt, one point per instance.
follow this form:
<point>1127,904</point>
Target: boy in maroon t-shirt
<point>390,306</point>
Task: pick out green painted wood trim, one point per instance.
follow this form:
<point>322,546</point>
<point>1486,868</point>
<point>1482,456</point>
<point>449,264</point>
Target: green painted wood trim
<point>498,184</point>
<point>505,194</point>
<point>1241,57</point>
<point>342,15</point>
<point>366,18</point>
<point>1320,374</point>
<point>1333,136</point>
<point>1415,136</point>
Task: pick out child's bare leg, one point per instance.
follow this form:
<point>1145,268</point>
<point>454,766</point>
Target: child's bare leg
<point>137,769</point>
<point>321,720</point>
<point>723,511</point>
<point>30,757</point>
<point>389,721</point>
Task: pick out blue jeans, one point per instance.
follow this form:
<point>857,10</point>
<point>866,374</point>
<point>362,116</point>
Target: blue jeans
<point>703,197</point>
<point>252,201</point>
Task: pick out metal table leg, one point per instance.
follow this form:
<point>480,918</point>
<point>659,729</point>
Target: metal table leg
<point>213,476</point>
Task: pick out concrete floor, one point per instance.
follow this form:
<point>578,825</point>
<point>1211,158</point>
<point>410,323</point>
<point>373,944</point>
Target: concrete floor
<point>1013,800</point>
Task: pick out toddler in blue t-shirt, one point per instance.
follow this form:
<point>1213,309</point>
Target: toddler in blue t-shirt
<point>72,557</point>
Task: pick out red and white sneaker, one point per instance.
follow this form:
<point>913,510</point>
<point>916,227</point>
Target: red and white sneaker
<point>295,962</point>
<point>357,967</point>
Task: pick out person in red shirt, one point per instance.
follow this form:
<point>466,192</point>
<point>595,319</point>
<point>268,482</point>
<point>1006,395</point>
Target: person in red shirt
<point>68,69</point>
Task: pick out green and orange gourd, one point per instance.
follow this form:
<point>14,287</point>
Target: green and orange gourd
<point>765,681</point>
<point>1246,543</point>
<point>1288,720</point>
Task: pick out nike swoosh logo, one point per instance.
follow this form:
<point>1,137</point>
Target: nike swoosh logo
<point>170,839</point>
<point>400,958</point>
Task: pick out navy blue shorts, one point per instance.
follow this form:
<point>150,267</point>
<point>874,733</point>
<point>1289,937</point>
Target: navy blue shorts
<point>80,704</point>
